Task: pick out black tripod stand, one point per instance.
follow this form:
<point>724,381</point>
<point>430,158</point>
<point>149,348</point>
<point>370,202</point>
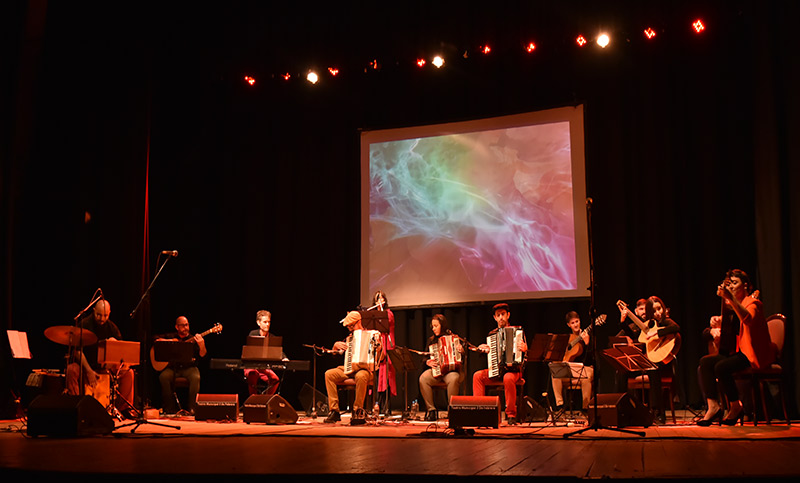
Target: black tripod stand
<point>595,425</point>
<point>140,417</point>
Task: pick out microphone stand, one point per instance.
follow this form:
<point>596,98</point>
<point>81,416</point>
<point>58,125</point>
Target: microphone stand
<point>593,317</point>
<point>140,419</point>
<point>79,326</point>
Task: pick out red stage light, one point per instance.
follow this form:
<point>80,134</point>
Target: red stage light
<point>287,76</point>
<point>649,33</point>
<point>249,80</point>
<point>421,62</point>
<point>530,47</point>
<point>581,40</point>
<point>698,25</point>
<point>485,49</point>
<point>333,70</point>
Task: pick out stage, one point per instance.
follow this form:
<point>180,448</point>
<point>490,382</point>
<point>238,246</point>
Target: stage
<point>213,450</point>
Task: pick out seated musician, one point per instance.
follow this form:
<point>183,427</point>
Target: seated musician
<point>105,329</point>
<point>266,376</point>
<point>580,352</point>
<point>362,373</point>
<point>509,375</point>
<point>744,342</point>
<point>452,378</point>
<point>656,316</point>
<point>188,370</point>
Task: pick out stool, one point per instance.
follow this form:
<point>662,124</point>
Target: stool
<point>349,385</point>
<point>497,386</point>
<point>642,383</point>
<point>179,382</point>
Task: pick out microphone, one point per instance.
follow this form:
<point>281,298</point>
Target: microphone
<point>172,253</point>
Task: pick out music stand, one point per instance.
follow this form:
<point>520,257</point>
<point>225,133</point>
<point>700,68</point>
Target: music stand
<point>548,348</point>
<point>375,320</point>
<point>117,353</point>
<point>401,358</point>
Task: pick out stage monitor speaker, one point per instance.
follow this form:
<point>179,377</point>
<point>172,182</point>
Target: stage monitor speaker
<point>62,415</point>
<point>217,407</point>
<point>269,409</point>
<point>312,399</point>
<point>533,410</point>
<point>474,411</point>
<point>619,410</point>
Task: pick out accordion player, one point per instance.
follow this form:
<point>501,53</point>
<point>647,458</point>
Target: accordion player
<point>447,354</point>
<point>363,351</point>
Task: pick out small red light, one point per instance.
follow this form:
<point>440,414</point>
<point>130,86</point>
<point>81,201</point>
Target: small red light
<point>421,62</point>
<point>581,40</point>
<point>649,33</point>
<point>249,80</point>
<point>530,47</point>
<point>287,76</point>
<point>333,70</point>
<point>698,26</point>
<point>486,49</point>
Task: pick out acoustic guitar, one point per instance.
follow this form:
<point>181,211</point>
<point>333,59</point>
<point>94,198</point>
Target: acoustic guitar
<point>574,347</point>
<point>161,365</point>
<point>662,349</point>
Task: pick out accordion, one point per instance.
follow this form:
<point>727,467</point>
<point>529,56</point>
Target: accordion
<point>446,354</point>
<point>361,351</point>
<point>504,354</point>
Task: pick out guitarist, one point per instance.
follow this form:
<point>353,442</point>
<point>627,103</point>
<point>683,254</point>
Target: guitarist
<point>580,352</point>
<point>656,317</point>
<point>188,370</point>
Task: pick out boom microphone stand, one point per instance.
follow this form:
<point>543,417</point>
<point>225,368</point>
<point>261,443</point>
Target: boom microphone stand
<point>593,317</point>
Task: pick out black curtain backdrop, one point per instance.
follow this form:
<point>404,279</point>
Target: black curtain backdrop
<point>690,161</point>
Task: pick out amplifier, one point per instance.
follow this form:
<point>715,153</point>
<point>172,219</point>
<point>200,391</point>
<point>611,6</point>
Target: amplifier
<point>269,409</point>
<point>474,411</point>
<point>217,407</point>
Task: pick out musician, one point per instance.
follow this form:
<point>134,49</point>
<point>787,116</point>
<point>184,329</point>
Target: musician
<point>452,379</point>
<point>362,376</point>
<point>626,326</point>
<point>386,371</point>
<point>510,375</point>
<point>99,324</point>
<point>752,348</point>
<point>582,352</point>
<point>267,376</point>
<point>656,317</point>
<point>189,370</point>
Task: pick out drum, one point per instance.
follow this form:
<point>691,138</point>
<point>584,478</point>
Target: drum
<point>102,390</point>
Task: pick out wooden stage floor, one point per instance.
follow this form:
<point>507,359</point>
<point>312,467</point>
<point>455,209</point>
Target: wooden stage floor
<point>223,451</point>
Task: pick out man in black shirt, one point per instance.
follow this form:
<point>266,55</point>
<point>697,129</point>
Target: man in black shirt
<point>188,370</point>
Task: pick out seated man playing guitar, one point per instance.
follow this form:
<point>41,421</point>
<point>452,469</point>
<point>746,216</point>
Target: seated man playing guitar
<point>661,336</point>
<point>578,350</point>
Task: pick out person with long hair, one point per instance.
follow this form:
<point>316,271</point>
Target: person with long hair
<point>753,347</point>
<point>452,379</point>
<point>386,373</point>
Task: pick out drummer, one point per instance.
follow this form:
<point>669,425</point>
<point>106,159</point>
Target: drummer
<point>99,324</point>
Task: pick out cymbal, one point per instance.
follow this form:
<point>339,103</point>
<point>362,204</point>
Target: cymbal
<point>69,335</point>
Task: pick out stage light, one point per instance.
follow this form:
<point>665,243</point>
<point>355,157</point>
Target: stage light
<point>698,25</point>
<point>374,65</point>
<point>420,62</point>
<point>581,40</point>
<point>603,40</point>
<point>249,80</point>
<point>438,61</point>
<point>333,71</point>
<point>287,76</point>
<point>530,47</point>
<point>485,49</point>
<point>649,33</point>
<point>312,77</point>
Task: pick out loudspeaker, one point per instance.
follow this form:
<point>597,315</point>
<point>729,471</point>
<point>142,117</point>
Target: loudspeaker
<point>217,407</point>
<point>533,410</point>
<point>269,409</point>
<point>619,410</point>
<point>311,399</point>
<point>474,411</point>
<point>63,415</point>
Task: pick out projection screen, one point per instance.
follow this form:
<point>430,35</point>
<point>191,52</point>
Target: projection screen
<point>475,211</point>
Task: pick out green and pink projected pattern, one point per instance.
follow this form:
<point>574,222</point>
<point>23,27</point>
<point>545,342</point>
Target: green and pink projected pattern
<point>473,216</point>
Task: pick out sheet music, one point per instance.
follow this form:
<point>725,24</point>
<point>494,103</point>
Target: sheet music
<point>19,344</point>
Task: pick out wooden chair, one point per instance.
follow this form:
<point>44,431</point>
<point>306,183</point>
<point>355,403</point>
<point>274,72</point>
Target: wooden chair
<point>349,385</point>
<point>642,383</point>
<point>496,386</point>
<point>759,378</point>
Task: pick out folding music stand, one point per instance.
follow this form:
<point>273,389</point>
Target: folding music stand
<point>375,320</point>
<point>401,359</point>
<point>172,351</point>
<point>548,347</point>
<point>117,353</point>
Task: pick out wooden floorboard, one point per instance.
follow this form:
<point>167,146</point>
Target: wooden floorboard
<point>219,451</point>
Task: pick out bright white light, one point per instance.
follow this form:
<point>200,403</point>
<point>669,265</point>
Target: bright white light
<point>312,77</point>
<point>438,61</point>
<point>603,40</point>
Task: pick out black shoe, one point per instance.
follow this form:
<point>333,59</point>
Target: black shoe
<point>358,418</point>
<point>708,422</point>
<point>432,415</point>
<point>512,421</point>
<point>333,417</point>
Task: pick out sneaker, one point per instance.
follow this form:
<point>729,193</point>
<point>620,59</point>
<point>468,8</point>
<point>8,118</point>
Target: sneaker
<point>333,417</point>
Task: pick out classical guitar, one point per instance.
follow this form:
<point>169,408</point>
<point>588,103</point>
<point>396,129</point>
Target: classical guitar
<point>661,349</point>
<point>574,347</point>
<point>729,329</point>
<point>161,365</point>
